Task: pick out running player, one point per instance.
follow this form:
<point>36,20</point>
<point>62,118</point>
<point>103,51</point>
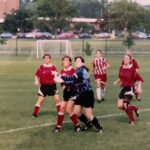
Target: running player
<point>85,94</point>
<point>45,79</point>
<point>100,66</point>
<point>127,75</point>
<point>136,66</point>
<point>69,96</point>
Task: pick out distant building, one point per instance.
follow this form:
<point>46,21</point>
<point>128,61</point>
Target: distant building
<point>6,6</point>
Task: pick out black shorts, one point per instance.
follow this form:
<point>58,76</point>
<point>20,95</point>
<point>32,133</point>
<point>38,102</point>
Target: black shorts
<point>69,94</point>
<point>126,93</point>
<point>49,90</point>
<point>86,99</point>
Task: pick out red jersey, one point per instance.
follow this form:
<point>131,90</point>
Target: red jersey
<point>128,75</point>
<point>45,74</point>
<point>68,72</point>
<point>134,63</point>
<point>99,64</point>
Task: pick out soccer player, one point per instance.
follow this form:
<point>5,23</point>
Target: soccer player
<point>127,75</point>
<point>69,96</point>
<point>85,94</point>
<point>136,66</point>
<point>45,79</point>
<point>100,66</point>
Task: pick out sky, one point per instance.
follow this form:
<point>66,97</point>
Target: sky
<point>144,2</point>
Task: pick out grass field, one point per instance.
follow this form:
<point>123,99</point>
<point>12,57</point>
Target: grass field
<point>18,96</point>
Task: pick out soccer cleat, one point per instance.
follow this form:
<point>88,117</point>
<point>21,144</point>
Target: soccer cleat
<point>100,130</point>
<point>34,116</point>
<point>138,99</point>
<point>103,99</point>
<point>85,128</point>
<point>99,100</point>
<point>137,112</point>
<point>78,128</point>
<point>132,123</point>
<point>57,130</point>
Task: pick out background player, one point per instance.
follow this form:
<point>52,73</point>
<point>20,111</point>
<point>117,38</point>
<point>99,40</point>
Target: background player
<point>127,75</point>
<point>136,66</point>
<point>99,66</point>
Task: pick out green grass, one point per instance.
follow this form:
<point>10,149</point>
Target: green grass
<point>18,96</point>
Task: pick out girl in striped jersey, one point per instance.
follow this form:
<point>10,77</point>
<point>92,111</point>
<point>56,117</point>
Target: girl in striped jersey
<point>100,66</point>
<point>127,75</point>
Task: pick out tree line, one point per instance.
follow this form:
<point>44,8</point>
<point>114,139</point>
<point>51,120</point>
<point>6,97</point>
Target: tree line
<point>55,16</point>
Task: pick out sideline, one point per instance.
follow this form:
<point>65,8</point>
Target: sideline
<point>50,124</point>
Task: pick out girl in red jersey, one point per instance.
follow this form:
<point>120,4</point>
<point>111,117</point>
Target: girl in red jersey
<point>45,78</point>
<point>127,75</point>
<point>69,96</point>
<point>99,66</point>
<point>136,66</point>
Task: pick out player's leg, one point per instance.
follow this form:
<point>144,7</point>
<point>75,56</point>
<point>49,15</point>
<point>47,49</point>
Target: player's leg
<point>98,90</point>
<point>60,116</point>
<point>37,106</point>
<point>129,113</point>
<point>57,101</point>
<point>120,104</point>
<point>103,89</point>
<point>73,116</point>
<point>69,107</point>
<point>93,119</point>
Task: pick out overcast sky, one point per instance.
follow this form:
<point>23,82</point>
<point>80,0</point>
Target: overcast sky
<point>144,2</point>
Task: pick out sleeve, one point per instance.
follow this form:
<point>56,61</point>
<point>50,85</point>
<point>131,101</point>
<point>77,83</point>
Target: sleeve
<point>106,63</point>
<point>138,77</point>
<point>54,68</point>
<point>38,72</point>
<point>93,64</point>
<point>71,79</point>
<point>136,65</point>
<point>120,73</point>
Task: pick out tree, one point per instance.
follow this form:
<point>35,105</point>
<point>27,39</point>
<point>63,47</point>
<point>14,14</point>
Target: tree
<point>2,41</point>
<point>129,42</point>
<point>126,15</point>
<point>18,20</point>
<point>88,49</point>
<point>56,13</point>
<point>88,8</point>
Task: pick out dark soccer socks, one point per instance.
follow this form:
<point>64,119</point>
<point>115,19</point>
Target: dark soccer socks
<point>96,123</point>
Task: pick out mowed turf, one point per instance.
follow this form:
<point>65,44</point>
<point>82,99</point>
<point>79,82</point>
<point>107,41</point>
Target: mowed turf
<point>18,96</point>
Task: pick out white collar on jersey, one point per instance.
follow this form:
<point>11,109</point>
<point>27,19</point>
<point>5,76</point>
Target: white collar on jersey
<point>67,69</point>
<point>99,58</point>
<point>49,65</point>
<point>128,67</point>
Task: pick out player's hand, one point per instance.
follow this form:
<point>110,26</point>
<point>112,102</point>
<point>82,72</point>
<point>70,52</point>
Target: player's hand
<point>58,79</point>
<point>115,83</point>
<point>139,90</point>
<point>36,83</point>
<point>55,73</point>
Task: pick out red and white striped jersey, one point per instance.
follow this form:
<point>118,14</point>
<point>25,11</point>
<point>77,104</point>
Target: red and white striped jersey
<point>99,64</point>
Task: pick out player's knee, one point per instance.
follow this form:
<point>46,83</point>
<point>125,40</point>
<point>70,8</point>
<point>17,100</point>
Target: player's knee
<point>120,106</point>
<point>69,111</point>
